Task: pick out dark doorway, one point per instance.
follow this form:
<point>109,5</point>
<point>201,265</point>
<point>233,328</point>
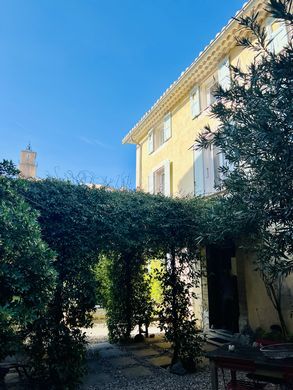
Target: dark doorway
<point>222,289</point>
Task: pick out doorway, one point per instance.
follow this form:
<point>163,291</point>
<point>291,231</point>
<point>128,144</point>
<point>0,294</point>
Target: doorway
<point>222,288</point>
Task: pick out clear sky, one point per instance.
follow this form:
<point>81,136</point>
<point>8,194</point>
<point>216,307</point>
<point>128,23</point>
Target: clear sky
<point>76,75</point>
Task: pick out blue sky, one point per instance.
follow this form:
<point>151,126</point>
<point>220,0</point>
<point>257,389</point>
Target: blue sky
<point>76,75</point>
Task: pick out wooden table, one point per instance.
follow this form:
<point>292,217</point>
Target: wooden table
<point>248,359</point>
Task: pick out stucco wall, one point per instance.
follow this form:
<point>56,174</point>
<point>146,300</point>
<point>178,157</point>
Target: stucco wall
<point>261,312</point>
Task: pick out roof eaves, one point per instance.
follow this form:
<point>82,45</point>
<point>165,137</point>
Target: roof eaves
<point>129,136</point>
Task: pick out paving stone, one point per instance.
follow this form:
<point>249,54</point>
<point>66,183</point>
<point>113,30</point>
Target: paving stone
<point>122,361</point>
<point>160,361</point>
<point>145,352</point>
<point>136,372</point>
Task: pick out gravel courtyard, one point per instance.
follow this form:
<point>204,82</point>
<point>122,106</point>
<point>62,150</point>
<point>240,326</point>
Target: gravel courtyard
<point>140,366</point>
<point>135,367</point>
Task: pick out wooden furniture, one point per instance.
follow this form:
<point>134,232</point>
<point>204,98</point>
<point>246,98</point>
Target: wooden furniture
<point>249,360</point>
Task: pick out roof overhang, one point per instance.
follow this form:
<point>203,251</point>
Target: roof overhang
<point>200,68</point>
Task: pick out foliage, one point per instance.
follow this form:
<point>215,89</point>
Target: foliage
<point>127,295</point>
<point>174,228</point>
<point>26,263</point>
<point>71,222</point>
<point>122,230</point>
<point>255,134</point>
<point>156,267</point>
<point>124,272</point>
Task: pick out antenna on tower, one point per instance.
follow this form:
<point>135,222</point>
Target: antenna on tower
<point>29,146</point>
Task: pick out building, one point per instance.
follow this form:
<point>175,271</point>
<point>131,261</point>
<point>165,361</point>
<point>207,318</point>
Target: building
<point>167,163</point>
<point>28,165</point>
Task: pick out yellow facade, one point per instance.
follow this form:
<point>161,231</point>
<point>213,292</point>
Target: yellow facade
<point>158,152</point>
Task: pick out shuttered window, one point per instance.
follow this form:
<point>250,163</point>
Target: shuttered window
<point>150,141</point>
<point>198,172</point>
<point>151,183</point>
<point>167,127</point>
<point>195,101</point>
<point>160,179</point>
<point>224,77</point>
<point>277,35</point>
<point>208,170</point>
<point>167,178</point>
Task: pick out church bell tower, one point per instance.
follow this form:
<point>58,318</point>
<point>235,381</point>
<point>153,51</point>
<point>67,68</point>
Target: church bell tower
<point>28,166</point>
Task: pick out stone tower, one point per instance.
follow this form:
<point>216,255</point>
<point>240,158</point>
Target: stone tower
<point>28,166</point>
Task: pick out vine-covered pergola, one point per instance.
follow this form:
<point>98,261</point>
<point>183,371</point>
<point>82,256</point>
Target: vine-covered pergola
<point>54,235</point>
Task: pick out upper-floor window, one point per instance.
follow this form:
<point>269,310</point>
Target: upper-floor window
<point>210,89</point>
<point>195,101</point>
<point>204,95</point>
<point>207,172</point>
<point>160,134</point>
<point>159,180</point>
<point>224,76</point>
<point>277,34</point>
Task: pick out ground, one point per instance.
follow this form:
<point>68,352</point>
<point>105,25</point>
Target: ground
<point>140,366</point>
<point>136,366</point>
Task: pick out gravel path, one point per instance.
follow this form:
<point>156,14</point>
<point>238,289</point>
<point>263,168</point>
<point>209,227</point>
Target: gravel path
<point>134,367</point>
<point>122,369</point>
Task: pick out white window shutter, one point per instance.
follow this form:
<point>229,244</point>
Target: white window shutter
<point>217,163</point>
<point>151,183</point>
<point>269,33</point>
<point>167,127</point>
<point>195,101</point>
<point>277,39</point>
<point>198,172</point>
<point>167,178</point>
<point>280,38</point>
<point>224,77</point>
<point>150,141</point>
<point>208,169</point>
<point>138,167</point>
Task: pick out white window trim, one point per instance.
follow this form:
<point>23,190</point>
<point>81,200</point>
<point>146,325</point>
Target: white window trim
<point>163,164</point>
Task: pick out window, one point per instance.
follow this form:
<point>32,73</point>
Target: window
<point>150,141</point>
<point>277,35</point>
<point>195,101</point>
<point>160,134</point>
<point>209,90</point>
<point>224,77</point>
<point>220,161</point>
<point>159,180</point>
<point>167,127</point>
<point>204,171</point>
<point>207,174</point>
